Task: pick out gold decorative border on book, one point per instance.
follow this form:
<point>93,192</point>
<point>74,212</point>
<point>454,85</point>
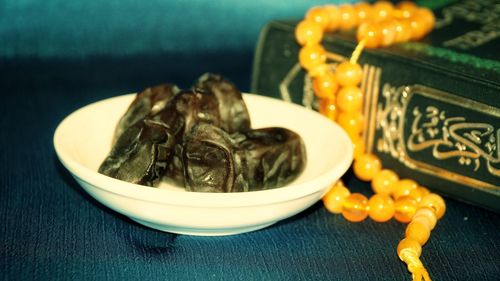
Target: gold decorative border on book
<point>386,113</point>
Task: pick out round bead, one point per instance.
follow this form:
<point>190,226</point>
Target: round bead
<point>319,70</point>
<point>388,30</point>
<point>418,27</point>
<point>381,207</point>
<point>411,245</point>
<point>405,209</point>
<point>359,148</point>
<point>328,108</point>
<point>352,123</point>
<point>364,11</point>
<point>418,231</point>
<point>418,193</point>
<point>423,191</point>
<point>406,8</point>
<point>335,197</point>
<point>348,17</point>
<point>333,17</point>
<point>366,167</point>
<point>404,187</point>
<point>308,32</point>
<point>383,10</point>
<point>428,18</point>
<point>348,74</point>
<point>435,202</point>
<point>355,207</point>
<point>383,182</point>
<point>325,86</point>
<point>350,99</point>
<point>403,31</point>
<point>318,15</point>
<point>371,34</point>
<point>426,216</point>
<point>311,56</point>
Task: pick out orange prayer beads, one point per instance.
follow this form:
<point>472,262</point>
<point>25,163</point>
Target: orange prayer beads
<point>355,207</point>
<point>335,197</point>
<point>381,207</point>
<point>348,74</point>
<point>350,99</point>
<point>341,99</point>
<point>418,231</point>
<point>367,166</point>
<point>405,209</point>
<point>383,181</point>
<point>404,187</point>
<point>325,86</point>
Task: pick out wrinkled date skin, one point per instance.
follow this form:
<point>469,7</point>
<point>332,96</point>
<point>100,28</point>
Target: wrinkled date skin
<point>148,102</point>
<point>255,160</point>
<point>233,111</point>
<point>201,139</point>
<point>180,114</point>
<point>141,153</point>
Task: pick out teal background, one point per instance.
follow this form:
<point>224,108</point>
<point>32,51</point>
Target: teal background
<point>62,28</point>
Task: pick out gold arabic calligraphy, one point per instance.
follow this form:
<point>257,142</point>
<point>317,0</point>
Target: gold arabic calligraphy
<point>454,137</point>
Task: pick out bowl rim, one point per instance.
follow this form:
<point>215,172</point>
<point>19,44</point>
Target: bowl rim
<point>204,199</point>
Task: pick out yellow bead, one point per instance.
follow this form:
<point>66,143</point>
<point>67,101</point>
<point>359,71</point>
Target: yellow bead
<point>308,32</point>
<point>403,31</point>
<point>318,15</point>
<point>325,86</point>
<point>370,33</point>
<point>335,197</point>
<point>328,108</point>
<point>383,10</point>
<point>409,245</point>
<point>352,123</point>
<point>418,231</point>
<point>359,148</point>
<point>426,216</point>
<point>350,99</point>
<point>333,17</point>
<point>403,188</point>
<point>435,202</point>
<point>320,70</point>
<point>348,17</point>
<point>423,191</point>
<point>366,167</point>
<point>355,207</point>
<point>405,209</point>
<point>381,207</point>
<point>364,11</point>
<point>428,18</point>
<point>388,30</point>
<point>418,193</point>
<point>406,8</point>
<point>418,27</point>
<point>348,74</point>
<point>383,182</point>
<point>311,56</point>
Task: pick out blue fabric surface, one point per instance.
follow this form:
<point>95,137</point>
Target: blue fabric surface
<point>52,230</point>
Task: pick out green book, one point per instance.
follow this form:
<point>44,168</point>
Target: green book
<point>432,107</point>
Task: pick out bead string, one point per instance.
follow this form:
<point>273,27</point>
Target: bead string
<point>340,99</point>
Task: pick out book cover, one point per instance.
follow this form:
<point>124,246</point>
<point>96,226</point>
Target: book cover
<point>432,107</point>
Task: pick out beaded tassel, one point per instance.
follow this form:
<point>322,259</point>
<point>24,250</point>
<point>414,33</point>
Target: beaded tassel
<point>340,99</point>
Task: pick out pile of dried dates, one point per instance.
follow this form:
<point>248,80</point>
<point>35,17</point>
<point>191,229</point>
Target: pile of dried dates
<point>201,138</point>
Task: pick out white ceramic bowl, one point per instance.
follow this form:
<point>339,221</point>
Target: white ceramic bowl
<point>83,139</point>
